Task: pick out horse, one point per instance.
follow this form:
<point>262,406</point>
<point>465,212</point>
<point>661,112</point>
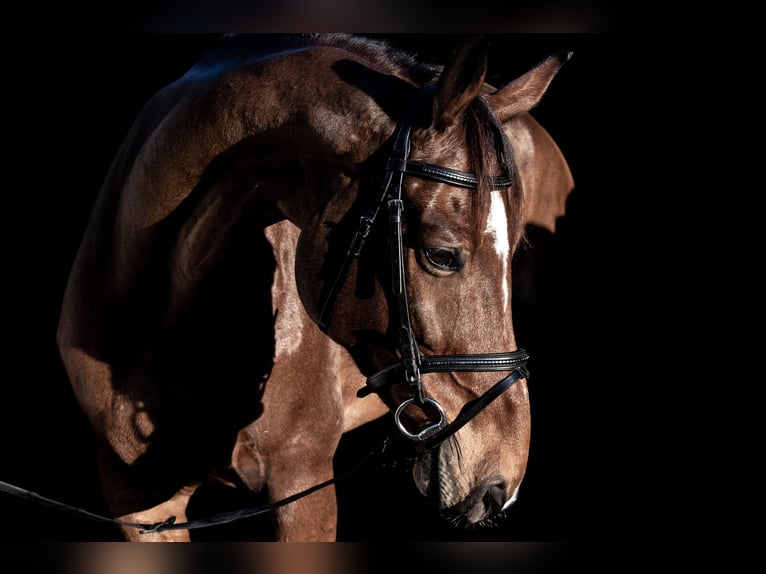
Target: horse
<point>300,235</point>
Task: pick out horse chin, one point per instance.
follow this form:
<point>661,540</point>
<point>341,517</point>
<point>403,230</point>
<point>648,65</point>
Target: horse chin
<point>485,505</point>
<point>478,510</point>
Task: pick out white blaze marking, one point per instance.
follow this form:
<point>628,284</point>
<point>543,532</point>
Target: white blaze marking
<point>497,226</point>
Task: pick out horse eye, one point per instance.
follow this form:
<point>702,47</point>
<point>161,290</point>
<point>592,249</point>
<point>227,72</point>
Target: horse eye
<point>444,258</point>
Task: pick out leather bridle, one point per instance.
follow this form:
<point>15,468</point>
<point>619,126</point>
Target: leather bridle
<point>412,363</point>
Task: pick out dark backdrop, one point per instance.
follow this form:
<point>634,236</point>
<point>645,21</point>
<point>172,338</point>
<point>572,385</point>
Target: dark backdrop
<point>70,107</point>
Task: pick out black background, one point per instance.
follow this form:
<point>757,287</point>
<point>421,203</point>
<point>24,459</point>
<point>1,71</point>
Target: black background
<point>68,113</point>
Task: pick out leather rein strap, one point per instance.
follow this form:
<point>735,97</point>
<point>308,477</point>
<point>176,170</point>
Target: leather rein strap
<point>412,363</point>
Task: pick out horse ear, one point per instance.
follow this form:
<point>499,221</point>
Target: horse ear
<point>460,82</point>
<point>544,170</point>
<point>525,92</point>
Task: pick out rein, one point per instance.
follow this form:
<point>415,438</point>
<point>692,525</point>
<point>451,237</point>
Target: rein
<point>213,520</point>
<point>412,363</point>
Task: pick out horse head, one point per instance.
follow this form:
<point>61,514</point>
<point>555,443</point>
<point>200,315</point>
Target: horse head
<point>422,300</point>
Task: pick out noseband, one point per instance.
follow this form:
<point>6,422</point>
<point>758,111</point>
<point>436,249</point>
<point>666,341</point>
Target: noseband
<point>412,363</point>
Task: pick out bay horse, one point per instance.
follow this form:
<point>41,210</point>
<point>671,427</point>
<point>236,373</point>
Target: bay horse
<point>300,235</point>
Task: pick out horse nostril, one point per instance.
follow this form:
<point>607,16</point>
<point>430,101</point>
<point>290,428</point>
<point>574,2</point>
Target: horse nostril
<point>484,502</point>
<point>496,492</point>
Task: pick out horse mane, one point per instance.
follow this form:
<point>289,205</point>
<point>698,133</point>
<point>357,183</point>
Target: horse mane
<point>491,154</point>
<point>235,50</point>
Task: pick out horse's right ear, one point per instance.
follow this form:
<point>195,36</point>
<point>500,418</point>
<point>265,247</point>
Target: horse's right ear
<point>525,92</point>
<point>460,82</point>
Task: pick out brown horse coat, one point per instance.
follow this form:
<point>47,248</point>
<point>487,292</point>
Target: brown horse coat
<point>182,330</point>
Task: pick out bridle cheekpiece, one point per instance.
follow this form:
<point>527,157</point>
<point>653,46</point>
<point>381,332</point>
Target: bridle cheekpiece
<point>412,364</point>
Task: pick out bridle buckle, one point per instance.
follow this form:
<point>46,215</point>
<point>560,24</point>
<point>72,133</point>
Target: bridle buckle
<point>412,376</point>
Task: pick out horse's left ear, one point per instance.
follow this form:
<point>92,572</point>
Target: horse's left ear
<point>460,82</point>
<point>525,92</point>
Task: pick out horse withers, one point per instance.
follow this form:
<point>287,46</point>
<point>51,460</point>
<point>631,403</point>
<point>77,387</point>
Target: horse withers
<point>296,237</point>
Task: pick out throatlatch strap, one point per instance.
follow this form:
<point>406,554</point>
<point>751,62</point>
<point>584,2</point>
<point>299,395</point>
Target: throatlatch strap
<point>399,153</point>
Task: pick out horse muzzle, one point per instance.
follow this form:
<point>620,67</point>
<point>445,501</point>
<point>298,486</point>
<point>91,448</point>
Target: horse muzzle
<point>440,476</point>
<point>484,503</point>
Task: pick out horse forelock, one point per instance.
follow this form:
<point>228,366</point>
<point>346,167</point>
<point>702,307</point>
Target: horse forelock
<point>490,154</point>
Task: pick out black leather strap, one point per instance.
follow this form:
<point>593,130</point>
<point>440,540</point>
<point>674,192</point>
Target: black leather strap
<point>479,362</point>
<point>451,176</point>
<point>391,180</point>
<point>471,409</point>
<point>446,364</point>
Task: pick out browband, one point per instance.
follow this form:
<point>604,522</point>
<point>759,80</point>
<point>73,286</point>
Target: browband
<point>446,175</point>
